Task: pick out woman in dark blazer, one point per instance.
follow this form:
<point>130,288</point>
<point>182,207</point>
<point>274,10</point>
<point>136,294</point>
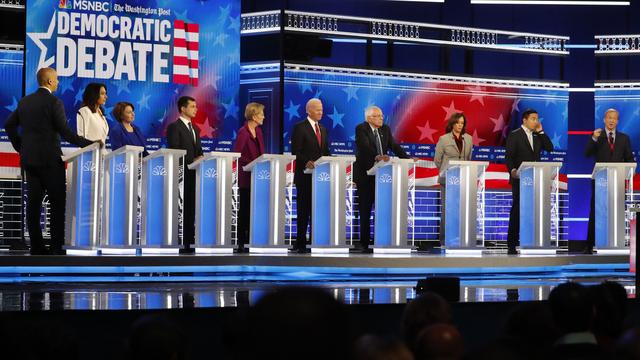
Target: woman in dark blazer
<point>250,144</point>
<point>123,132</point>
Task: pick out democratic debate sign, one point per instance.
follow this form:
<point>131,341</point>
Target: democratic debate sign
<point>146,52</point>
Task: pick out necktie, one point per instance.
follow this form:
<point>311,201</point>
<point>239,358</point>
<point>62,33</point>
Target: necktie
<point>378,142</point>
<point>611,141</point>
<point>318,135</point>
<point>193,134</point>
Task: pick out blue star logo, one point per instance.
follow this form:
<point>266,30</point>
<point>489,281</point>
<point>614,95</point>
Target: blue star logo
<point>231,109</point>
<point>224,13</point>
<point>292,110</point>
<point>352,93</point>
<point>304,87</point>
<point>183,16</point>
<point>37,39</point>
<point>336,117</point>
<point>143,103</point>
<point>220,39</point>
<point>235,24</point>
<point>13,106</point>
<point>556,139</point>
<point>123,85</point>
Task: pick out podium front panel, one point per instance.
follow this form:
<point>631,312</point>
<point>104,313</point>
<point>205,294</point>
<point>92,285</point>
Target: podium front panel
<point>260,204</point>
<point>384,207</point>
<point>156,176</point>
<point>208,184</point>
<point>527,207</point>
<point>602,213</point>
<point>321,213</point>
<point>452,208</point>
<point>83,194</point>
<point>118,202</point>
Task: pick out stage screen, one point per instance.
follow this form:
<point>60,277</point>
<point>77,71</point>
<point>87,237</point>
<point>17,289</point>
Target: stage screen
<point>417,106</point>
<point>627,102</point>
<point>146,52</point>
<point>11,84</point>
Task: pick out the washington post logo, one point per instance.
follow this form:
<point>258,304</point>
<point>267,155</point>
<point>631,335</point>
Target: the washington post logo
<point>185,52</point>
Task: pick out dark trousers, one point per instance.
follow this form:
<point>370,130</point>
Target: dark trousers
<point>244,216</point>
<point>48,179</point>
<point>303,210</point>
<point>366,191</point>
<point>591,228</point>
<point>189,209</point>
<point>513,235</point>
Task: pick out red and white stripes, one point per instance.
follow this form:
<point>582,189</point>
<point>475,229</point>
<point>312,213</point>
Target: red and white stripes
<point>185,52</point>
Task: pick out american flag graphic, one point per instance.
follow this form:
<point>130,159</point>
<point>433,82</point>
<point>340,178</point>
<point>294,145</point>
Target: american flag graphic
<point>185,52</point>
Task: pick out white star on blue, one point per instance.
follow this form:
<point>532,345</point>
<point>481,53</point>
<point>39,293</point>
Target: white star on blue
<point>231,109</point>
<point>336,117</point>
<point>556,139</point>
<point>143,102</point>
<point>78,98</point>
<point>352,93</point>
<point>65,85</point>
<point>304,87</point>
<point>235,24</point>
<point>13,106</point>
<point>123,85</point>
<point>183,16</point>
<point>224,13</point>
<point>292,110</point>
<point>317,95</point>
<point>220,39</point>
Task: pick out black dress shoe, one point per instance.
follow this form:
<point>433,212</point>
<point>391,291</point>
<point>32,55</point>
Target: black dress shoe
<point>512,251</point>
<point>241,250</point>
<point>588,250</point>
<point>188,250</point>
<point>57,252</point>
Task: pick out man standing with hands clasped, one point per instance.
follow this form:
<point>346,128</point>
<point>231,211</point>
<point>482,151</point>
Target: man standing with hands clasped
<point>523,144</point>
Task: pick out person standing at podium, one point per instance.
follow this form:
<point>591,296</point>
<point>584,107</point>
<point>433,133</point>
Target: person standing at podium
<point>308,143</point>
<point>373,142</point>
<point>91,122</point>
<point>250,144</point>
<point>41,118</point>
<point>608,145</point>
<point>455,144</point>
<point>124,132</point>
<point>183,135</point>
<point>523,144</point>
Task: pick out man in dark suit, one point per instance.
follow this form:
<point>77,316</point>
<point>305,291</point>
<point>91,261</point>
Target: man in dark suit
<point>523,144</point>
<point>42,119</point>
<point>308,143</point>
<point>373,142</point>
<point>605,146</point>
<point>182,134</point>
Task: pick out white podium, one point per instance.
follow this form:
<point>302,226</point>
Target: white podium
<point>328,204</point>
<point>160,201</point>
<point>120,202</point>
<point>84,173</point>
<point>462,205</point>
<point>535,206</point>
<point>390,226</point>
<point>268,181</point>
<point>214,186</point>
<point>610,206</point>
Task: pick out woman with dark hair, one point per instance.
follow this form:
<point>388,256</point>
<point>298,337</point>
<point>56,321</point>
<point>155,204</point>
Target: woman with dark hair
<point>91,121</point>
<point>456,144</point>
<point>124,132</point>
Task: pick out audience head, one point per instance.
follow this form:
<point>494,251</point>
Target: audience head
<point>439,341</point>
<point>610,302</point>
<point>124,112</point>
<point>154,337</point>
<point>628,346</point>
<point>314,109</point>
<point>48,78</point>
<point>187,107</point>
<point>426,309</point>
<point>373,115</point>
<point>94,96</point>
<point>458,123</point>
<point>571,308</point>
<point>254,112</point>
<point>371,347</point>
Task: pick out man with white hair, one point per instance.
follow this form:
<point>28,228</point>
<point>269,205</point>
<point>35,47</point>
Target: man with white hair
<point>608,145</point>
<point>308,143</point>
<point>373,142</point>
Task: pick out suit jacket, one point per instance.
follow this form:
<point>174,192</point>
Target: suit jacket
<point>446,149</point>
<point>91,125</point>
<point>180,137</point>
<point>366,150</point>
<point>305,147</point>
<point>600,149</point>
<point>119,137</point>
<point>42,119</point>
<point>249,150</point>
<point>519,150</point>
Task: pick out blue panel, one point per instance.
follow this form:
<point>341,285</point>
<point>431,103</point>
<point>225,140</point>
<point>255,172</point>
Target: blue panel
<point>117,200</point>
<point>155,201</point>
<point>260,209</point>
<point>322,200</point>
<point>384,201</point>
<point>527,208</point>
<point>117,301</point>
<point>382,295</point>
<point>83,199</point>
<point>208,201</point>
<point>452,208</point>
<point>602,209</point>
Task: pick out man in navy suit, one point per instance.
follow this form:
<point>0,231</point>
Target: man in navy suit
<point>42,119</point>
<point>609,145</point>
<point>523,144</point>
<point>308,143</point>
<point>182,134</point>
<point>373,142</point>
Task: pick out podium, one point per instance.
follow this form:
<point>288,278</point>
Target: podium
<point>268,181</point>
<point>120,203</point>
<point>462,205</point>
<point>84,169</point>
<point>390,225</point>
<point>214,187</point>
<point>535,206</point>
<point>610,205</point>
<point>633,239</point>
<point>161,214</point>
<point>328,204</point>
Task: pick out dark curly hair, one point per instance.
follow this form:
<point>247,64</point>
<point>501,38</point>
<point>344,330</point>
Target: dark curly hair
<point>91,95</point>
<point>454,120</point>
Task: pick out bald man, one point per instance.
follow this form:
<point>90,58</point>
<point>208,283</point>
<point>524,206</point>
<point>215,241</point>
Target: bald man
<point>608,145</point>
<point>308,143</point>
<point>373,142</point>
<point>41,118</point>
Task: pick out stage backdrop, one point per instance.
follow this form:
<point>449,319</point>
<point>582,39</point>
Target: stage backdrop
<point>10,86</point>
<point>627,102</point>
<point>147,52</point>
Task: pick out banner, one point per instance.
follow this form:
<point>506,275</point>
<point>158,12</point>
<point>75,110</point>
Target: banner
<point>11,84</point>
<point>146,52</point>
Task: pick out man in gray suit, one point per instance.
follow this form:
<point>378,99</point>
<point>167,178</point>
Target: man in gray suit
<point>456,144</point>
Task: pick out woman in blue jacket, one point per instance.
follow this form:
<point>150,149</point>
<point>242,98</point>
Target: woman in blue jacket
<point>123,132</point>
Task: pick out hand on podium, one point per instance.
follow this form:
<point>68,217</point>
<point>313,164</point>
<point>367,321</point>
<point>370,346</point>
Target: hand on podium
<point>310,165</point>
<point>384,158</point>
<point>101,142</point>
<point>514,174</point>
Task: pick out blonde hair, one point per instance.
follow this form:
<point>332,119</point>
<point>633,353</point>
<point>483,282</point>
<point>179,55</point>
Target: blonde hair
<point>252,109</point>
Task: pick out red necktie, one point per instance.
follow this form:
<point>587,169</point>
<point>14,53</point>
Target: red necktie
<point>318,136</point>
<point>611,142</point>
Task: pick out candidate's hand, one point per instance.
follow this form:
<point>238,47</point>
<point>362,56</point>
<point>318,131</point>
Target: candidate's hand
<point>101,142</point>
<point>310,165</point>
<point>597,132</point>
<point>514,174</point>
<point>539,127</point>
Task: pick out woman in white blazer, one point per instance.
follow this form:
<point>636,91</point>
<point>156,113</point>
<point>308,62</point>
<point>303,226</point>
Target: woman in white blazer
<point>91,121</point>
<point>456,144</point>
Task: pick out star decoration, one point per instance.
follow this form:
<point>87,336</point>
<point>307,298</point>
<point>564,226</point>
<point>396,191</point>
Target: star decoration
<point>426,132</point>
<point>143,102</point>
<point>305,86</point>
<point>37,39</point>
<point>514,106</point>
<point>66,84</point>
<point>476,138</point>
<point>352,93</point>
<point>498,124</point>
<point>235,24</point>
<point>183,16</point>
<point>450,110</point>
<point>224,13</point>
<point>336,117</point>
<point>292,110</point>
<point>214,81</point>
<point>206,130</point>
<point>317,95</point>
<point>232,109</point>
<point>220,39</point>
<point>13,106</point>
<point>123,85</point>
<point>475,96</point>
<point>556,140</point>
